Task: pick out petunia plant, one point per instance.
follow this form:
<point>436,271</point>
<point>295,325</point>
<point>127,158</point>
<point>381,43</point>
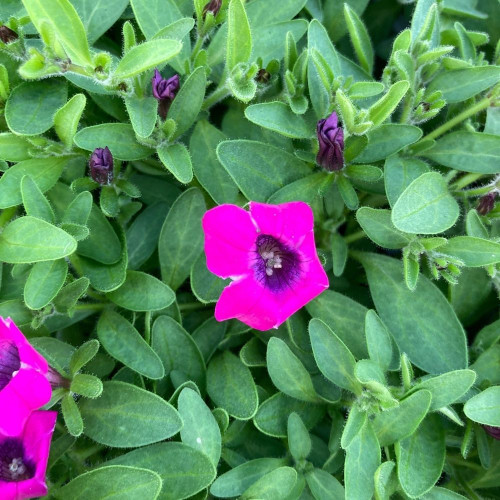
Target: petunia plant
<point>249,249</point>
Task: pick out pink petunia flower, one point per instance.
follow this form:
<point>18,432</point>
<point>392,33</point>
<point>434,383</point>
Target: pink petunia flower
<point>24,456</point>
<point>23,383</point>
<point>270,254</point>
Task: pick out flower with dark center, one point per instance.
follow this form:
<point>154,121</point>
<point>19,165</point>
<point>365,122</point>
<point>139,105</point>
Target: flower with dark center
<point>213,6</point>
<point>101,166</point>
<point>492,431</point>
<point>164,91</point>
<point>7,35</point>
<point>24,456</point>
<point>23,383</point>
<point>270,255</point>
<point>486,203</point>
<point>331,143</point>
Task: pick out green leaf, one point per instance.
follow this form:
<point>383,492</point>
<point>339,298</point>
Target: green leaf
<point>461,84</point>
<point>176,30</point>
<point>425,206</point>
<point>103,245</point>
<point>184,471</point>
<point>388,139</point>
<point>188,101</point>
<point>28,239</point>
<point>176,159</point>
<point>206,286</point>
<point>474,252</point>
<point>113,481</point>
<point>333,358</point>
<point>307,189</point>
<point>14,147</point>
<point>275,485</point>
<point>438,493</point>
<point>85,353</point>
<point>127,417</point>
<point>237,480</point>
<point>259,169</point>
<point>67,118</point>
<point>154,15</point>
<point>278,117</point>
<point>355,422</point>
<point>344,316</point>
<point>146,56</point>
<point>399,173</point>
<point>424,314</point>
<point>44,282</point>
<point>379,342</point>
<point>71,414</point>
<point>207,168</point>
<point>386,481</point>
<point>361,461</point>
<point>339,254</point>
<point>181,237</point>
<point>299,441</point>
<point>86,385</point>
<point>484,408</point>
<point>420,457</point>
<point>324,486</point>
<point>347,192</point>
<point>118,137</point>
<point>401,421</point>
<point>360,39</point>
<point>377,224</point>
<point>385,106</point>
<point>69,294</point>
<point>288,373</point>
<point>467,151</point>
<point>143,112</point>
<point>34,201</point>
<point>239,37</point>
<point>200,430</point>
<point>66,24</point>
<point>44,172</point>
<point>154,295</point>
<point>178,350</point>
<point>474,226</point>
<point>230,385</point>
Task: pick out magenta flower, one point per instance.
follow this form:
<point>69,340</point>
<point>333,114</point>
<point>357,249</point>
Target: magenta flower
<point>331,143</point>
<point>23,383</point>
<point>270,255</point>
<point>101,165</point>
<point>164,91</point>
<point>24,456</point>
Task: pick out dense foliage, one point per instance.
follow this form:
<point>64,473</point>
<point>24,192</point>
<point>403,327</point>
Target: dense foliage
<point>384,384</point>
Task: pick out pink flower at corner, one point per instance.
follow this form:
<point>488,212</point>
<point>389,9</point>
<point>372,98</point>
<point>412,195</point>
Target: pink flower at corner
<point>23,383</point>
<point>24,456</point>
<point>270,254</point>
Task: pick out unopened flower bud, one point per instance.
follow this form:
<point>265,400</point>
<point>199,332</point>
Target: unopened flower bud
<point>7,35</point>
<point>486,203</point>
<point>56,380</point>
<point>263,76</point>
<point>164,91</point>
<point>213,6</point>
<point>331,144</point>
<point>101,165</point>
<point>492,431</point>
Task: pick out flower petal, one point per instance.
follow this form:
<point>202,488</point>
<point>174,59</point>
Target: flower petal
<point>229,239</point>
<point>249,302</point>
<point>289,222</point>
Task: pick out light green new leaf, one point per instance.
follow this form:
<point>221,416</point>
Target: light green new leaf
<point>474,252</point>
<point>485,407</point>
<point>14,147</point>
<point>299,441</point>
<point>425,206</point>
<point>28,239</point>
<point>146,56</point>
<point>239,37</point>
<point>176,159</point>
<point>360,39</point>
<point>35,203</point>
<point>386,105</point>
<point>44,282</point>
<point>143,113</point>
<point>67,118</point>
<point>67,25</point>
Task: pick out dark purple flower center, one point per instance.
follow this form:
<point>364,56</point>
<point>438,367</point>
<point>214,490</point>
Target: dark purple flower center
<point>276,266</point>
<point>10,362</point>
<point>14,466</point>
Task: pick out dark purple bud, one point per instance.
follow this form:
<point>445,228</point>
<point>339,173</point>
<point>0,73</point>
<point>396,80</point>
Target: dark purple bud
<point>101,165</point>
<point>331,143</point>
<point>213,6</point>
<point>486,203</point>
<point>263,76</point>
<point>492,431</point>
<point>164,91</point>
<point>7,35</point>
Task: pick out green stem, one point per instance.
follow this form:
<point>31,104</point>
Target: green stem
<point>465,181</point>
<point>197,47</point>
<point>216,96</point>
<point>147,327</point>
<point>191,306</point>
<point>359,235</point>
<point>476,192</point>
<point>408,106</point>
<point>456,120</point>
